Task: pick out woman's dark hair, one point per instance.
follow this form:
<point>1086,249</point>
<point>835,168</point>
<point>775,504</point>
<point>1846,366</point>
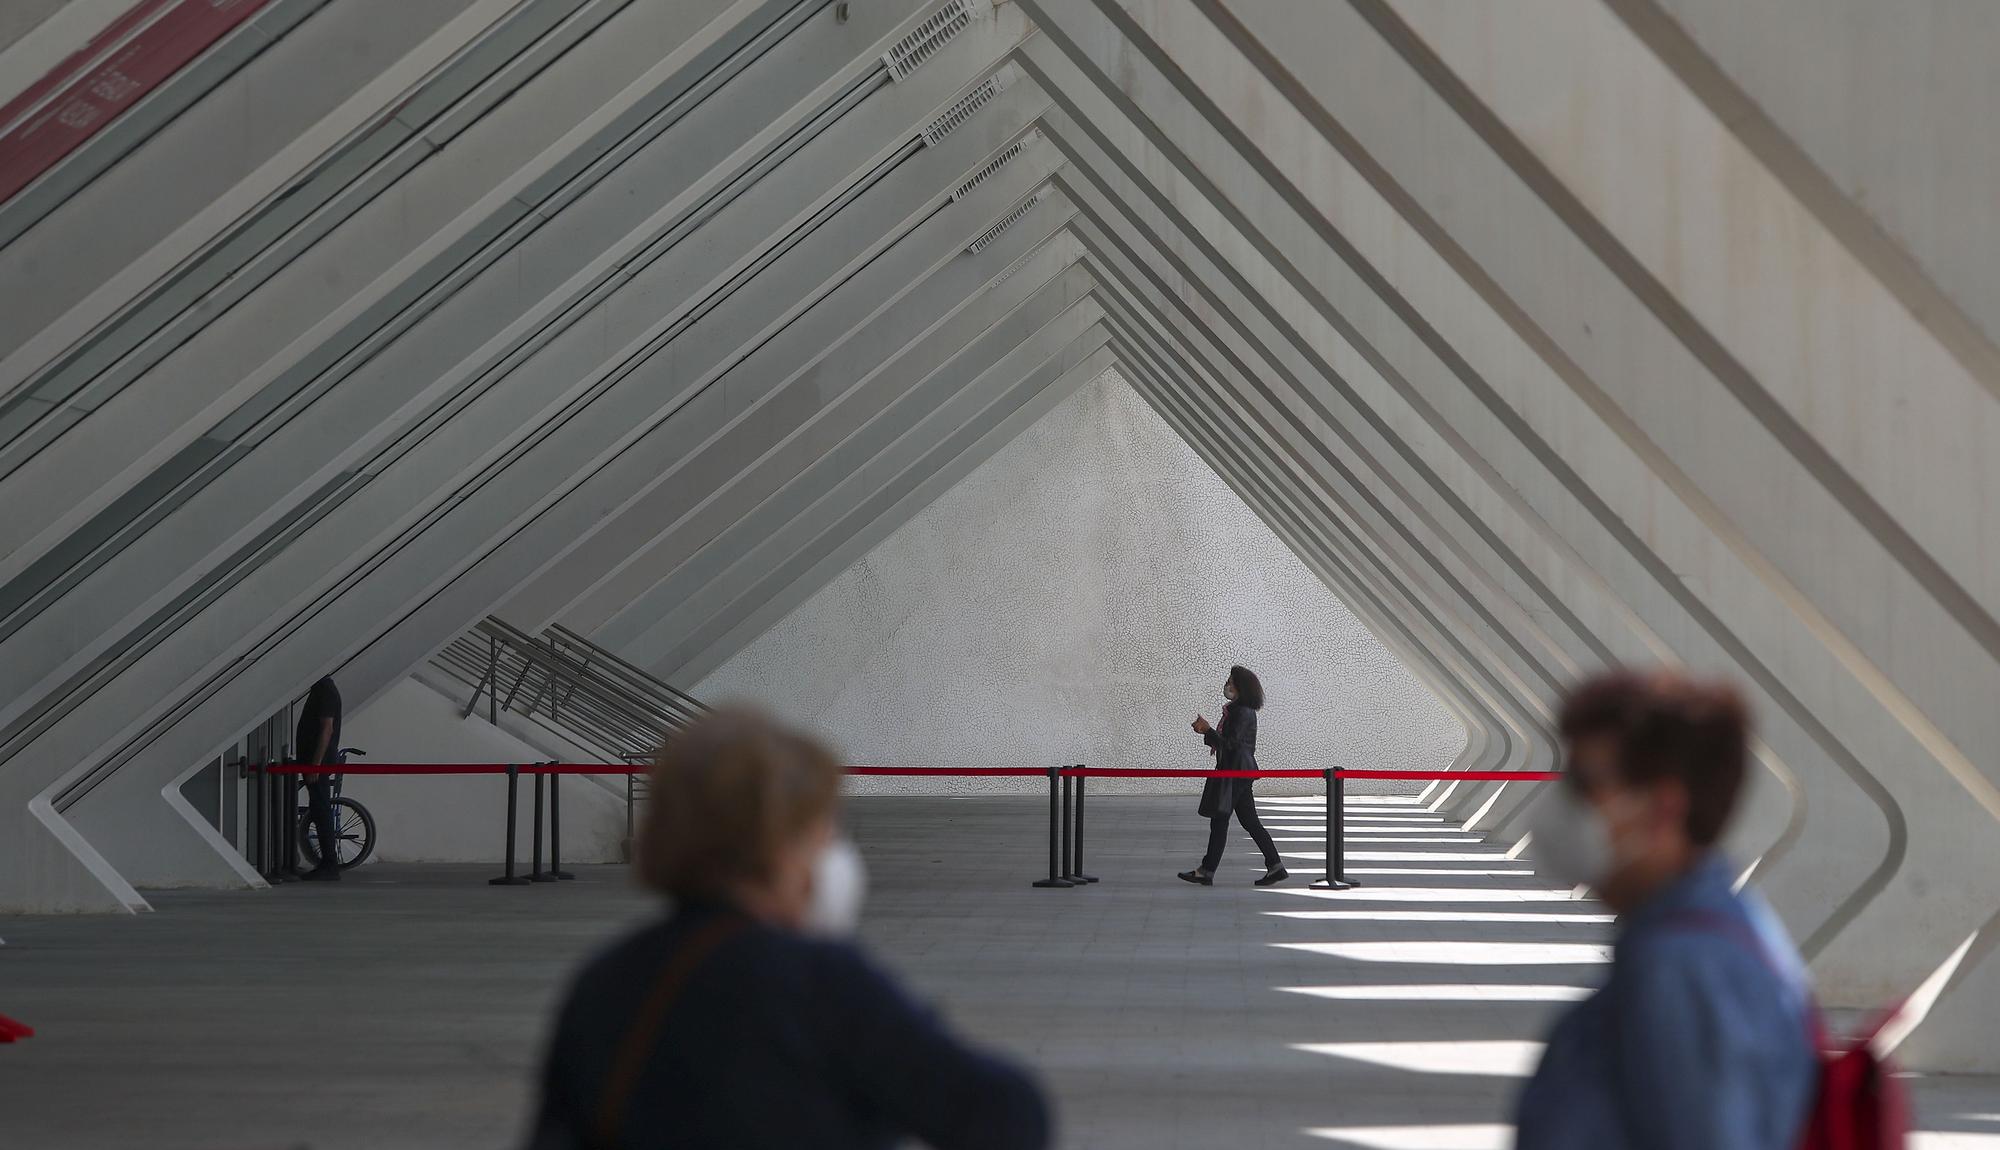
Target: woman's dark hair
<point>1668,726</point>
<point>1249,691</point>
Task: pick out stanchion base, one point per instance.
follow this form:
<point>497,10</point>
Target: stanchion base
<point>541,876</point>
<point>561,874</point>
<point>1080,879</point>
<point>505,881</point>
<point>1054,882</point>
<point>1333,884</point>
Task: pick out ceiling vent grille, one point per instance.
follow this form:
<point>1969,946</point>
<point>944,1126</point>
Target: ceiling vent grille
<point>1007,221</point>
<point>923,42</point>
<point>960,112</point>
<point>969,104</point>
<point>993,165</point>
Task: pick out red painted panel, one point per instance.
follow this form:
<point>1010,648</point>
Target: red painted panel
<point>74,102</point>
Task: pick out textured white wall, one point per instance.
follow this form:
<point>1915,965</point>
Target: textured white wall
<point>1077,599</point>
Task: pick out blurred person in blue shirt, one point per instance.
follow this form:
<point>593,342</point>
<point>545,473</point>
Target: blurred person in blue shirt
<point>1703,1036</point>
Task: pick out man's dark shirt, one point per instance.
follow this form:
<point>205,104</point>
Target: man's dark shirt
<point>322,702</point>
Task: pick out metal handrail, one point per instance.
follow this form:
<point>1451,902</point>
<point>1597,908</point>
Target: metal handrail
<point>569,685</point>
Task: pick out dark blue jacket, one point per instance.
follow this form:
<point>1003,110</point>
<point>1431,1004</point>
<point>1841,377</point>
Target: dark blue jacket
<point>774,1042</point>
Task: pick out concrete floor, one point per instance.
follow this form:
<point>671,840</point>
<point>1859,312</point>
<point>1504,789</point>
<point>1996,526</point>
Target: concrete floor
<point>406,1009</point>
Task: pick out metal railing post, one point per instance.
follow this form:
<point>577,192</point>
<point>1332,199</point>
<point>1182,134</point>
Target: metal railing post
<point>555,827</point>
<point>1055,816</point>
<point>535,871</point>
<point>1076,874</point>
<point>1335,877</point>
<point>513,806</point>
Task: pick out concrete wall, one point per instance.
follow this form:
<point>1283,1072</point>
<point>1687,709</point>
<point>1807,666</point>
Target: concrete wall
<point>1077,599</point>
<point>452,818</point>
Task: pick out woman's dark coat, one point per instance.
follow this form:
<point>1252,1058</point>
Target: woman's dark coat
<point>1235,743</point>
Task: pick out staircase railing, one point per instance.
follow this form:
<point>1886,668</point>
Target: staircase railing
<point>573,688</point>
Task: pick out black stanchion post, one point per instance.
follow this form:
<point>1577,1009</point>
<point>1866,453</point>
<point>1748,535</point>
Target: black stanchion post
<point>1336,813</point>
<point>555,826</point>
<point>513,806</point>
<point>1055,816</point>
<point>288,809</point>
<point>258,811</point>
<point>1064,856</point>
<point>1076,874</point>
<point>535,871</point>
<point>284,826</point>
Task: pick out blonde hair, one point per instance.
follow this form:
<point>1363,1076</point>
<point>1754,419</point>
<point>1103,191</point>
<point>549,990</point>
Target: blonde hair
<point>727,794</point>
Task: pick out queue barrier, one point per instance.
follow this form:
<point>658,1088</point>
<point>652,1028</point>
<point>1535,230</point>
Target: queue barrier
<point>1067,785</point>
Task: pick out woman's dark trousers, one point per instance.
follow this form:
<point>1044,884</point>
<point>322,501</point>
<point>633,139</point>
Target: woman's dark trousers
<point>1246,813</point>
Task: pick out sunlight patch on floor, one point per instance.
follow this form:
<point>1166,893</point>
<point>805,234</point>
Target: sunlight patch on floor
<point>1469,1137</point>
<point>1446,992</point>
<point>1427,894</point>
<point>1437,953</point>
<point>1494,1058</point>
<point>1439,916</point>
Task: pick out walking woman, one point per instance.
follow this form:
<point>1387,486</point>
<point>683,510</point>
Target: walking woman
<point>1234,741</point>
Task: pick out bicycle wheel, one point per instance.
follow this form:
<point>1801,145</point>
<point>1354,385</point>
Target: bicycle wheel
<point>355,826</point>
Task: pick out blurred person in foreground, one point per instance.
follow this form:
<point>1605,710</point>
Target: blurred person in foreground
<point>1703,1035</point>
<point>743,1019</point>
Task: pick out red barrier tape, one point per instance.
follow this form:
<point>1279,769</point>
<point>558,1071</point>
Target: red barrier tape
<point>1179,773</point>
<point>1453,776</point>
<point>941,772</point>
<point>954,772</point>
<point>11,1030</point>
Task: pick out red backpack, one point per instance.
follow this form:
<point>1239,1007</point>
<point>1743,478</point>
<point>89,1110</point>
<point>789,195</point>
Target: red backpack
<point>1861,1104</point>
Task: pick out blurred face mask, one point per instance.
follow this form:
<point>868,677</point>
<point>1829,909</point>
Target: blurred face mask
<point>1572,841</point>
<point>840,882</point>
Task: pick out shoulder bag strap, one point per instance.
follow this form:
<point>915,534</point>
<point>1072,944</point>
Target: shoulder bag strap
<point>630,1059</point>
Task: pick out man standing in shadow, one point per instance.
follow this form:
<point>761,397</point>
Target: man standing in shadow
<point>317,743</point>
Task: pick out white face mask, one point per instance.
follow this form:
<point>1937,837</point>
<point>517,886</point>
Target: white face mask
<point>1571,843</point>
<point>840,881</point>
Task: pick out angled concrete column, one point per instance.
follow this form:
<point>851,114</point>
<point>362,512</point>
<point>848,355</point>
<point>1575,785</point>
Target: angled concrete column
<point>695,586</point>
<point>563,229</point>
<point>824,378</point>
<point>1498,740</point>
<point>1489,738</point>
<point>1386,602</point>
<point>1462,578</point>
<point>1826,96</point>
<point>908,487</point>
<point>874,211</point>
<point>1404,553</point>
<point>1401,325</point>
<point>1040,340</point>
<point>939,318</point>
<point>1596,317</point>
<point>79,245</point>
<point>1316,297</point>
<point>1050,317</point>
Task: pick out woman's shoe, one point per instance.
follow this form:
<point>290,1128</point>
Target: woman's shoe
<point>1198,877</point>
<point>1274,876</point>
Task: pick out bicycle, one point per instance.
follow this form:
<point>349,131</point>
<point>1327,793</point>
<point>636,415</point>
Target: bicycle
<point>354,825</point>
